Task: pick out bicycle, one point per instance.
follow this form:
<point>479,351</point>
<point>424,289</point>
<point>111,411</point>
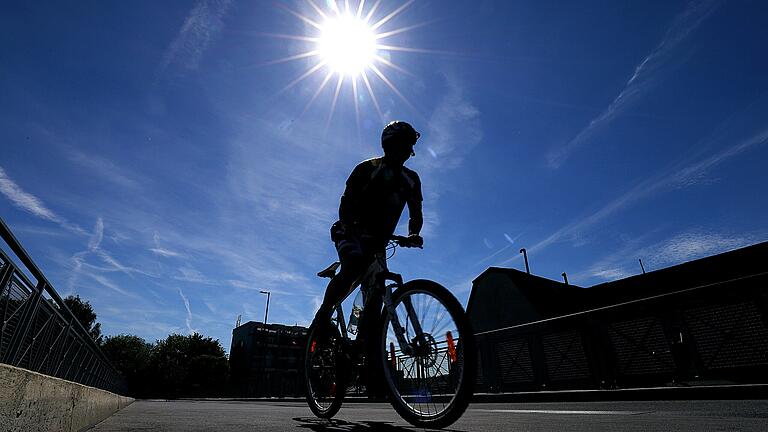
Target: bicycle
<point>413,335</point>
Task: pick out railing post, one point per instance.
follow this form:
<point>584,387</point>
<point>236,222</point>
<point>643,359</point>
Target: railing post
<point>49,352</point>
<point>25,321</point>
<point>66,375</point>
<point>81,370</point>
<point>5,281</point>
<point>61,345</point>
<point>66,349</point>
<point>5,276</point>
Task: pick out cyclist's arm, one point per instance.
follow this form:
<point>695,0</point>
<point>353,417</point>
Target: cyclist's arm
<point>415,216</point>
<point>415,220</point>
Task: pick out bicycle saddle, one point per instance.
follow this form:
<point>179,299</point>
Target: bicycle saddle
<point>329,271</point>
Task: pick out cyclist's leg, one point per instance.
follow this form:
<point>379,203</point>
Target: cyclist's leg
<point>353,264</point>
<point>369,330</point>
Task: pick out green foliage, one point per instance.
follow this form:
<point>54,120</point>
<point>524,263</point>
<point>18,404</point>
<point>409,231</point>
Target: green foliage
<point>83,312</point>
<point>131,356</point>
<point>189,365</point>
<point>177,366</point>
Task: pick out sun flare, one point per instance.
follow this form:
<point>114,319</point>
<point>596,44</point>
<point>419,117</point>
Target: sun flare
<point>347,44</point>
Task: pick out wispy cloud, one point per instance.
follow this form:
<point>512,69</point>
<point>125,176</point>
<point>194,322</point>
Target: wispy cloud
<point>98,235</point>
<point>102,280</point>
<point>693,245</point>
<point>675,177</point>
<point>80,267</point>
<point>684,246</point>
<point>510,242</point>
<point>24,200</point>
<point>200,27</point>
<point>189,274</point>
<point>31,204</point>
<point>188,320</point>
<point>453,129</point>
<point>159,250</point>
<point>666,55</point>
<point>102,167</point>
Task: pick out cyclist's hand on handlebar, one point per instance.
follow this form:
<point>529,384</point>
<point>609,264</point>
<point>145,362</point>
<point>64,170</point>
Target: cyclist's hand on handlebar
<point>414,240</point>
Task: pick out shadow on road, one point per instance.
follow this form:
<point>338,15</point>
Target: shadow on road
<point>321,425</point>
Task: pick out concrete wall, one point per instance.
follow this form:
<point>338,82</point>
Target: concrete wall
<point>30,401</point>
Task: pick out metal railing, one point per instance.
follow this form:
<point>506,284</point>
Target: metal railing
<point>39,332</point>
<point>713,333</point>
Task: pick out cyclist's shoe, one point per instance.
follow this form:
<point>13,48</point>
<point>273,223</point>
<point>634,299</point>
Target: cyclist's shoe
<point>322,323</point>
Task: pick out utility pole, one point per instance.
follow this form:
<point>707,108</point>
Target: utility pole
<point>266,313</point>
<point>565,277</point>
<point>641,265</point>
<point>525,256</point>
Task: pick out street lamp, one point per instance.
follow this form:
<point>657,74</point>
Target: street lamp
<point>525,255</point>
<point>266,313</point>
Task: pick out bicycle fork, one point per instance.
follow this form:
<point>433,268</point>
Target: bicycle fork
<point>405,345</point>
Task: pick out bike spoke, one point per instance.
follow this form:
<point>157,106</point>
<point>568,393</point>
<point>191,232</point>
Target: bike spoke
<point>425,380</point>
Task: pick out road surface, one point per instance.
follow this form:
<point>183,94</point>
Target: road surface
<point>212,415</point>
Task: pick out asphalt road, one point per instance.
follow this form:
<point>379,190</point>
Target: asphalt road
<point>742,415</point>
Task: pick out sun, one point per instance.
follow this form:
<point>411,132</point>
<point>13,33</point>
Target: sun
<point>347,44</point>
<point>346,41</point>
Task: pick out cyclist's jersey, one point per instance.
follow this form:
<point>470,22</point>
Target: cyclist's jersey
<point>376,195</point>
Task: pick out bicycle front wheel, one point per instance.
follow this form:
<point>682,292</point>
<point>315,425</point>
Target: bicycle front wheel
<point>431,385</point>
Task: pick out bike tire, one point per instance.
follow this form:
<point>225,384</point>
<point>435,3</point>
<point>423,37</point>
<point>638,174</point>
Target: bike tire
<point>459,402</point>
<point>329,407</point>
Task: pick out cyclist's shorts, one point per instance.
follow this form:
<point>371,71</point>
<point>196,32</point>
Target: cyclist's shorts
<point>347,244</point>
<point>350,243</point>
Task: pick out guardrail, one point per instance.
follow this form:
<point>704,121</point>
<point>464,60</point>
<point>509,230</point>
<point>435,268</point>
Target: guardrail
<point>39,332</point>
<point>716,333</point>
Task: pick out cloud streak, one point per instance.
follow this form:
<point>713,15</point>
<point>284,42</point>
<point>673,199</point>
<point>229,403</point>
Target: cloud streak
<point>646,74</point>
<point>676,177</point>
<point>159,250</point>
<point>453,128</point>
<point>25,200</point>
<point>200,27</point>
<point>103,168</point>
<point>685,246</point>
<point>31,204</point>
<point>188,320</point>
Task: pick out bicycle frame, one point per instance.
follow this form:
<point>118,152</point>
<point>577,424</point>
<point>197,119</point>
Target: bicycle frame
<point>374,282</point>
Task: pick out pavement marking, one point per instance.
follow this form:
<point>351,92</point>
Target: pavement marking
<point>531,411</point>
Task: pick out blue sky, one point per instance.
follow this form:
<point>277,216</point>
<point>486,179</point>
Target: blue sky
<point>160,160</point>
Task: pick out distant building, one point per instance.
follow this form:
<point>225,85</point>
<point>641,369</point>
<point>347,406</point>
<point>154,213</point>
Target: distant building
<point>266,360</point>
<point>704,321</point>
<point>503,297</point>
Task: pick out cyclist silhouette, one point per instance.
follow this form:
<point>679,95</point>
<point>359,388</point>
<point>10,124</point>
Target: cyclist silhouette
<point>376,193</point>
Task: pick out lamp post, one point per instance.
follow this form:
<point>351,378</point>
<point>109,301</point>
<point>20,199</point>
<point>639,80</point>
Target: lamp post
<point>266,313</point>
<point>525,255</point>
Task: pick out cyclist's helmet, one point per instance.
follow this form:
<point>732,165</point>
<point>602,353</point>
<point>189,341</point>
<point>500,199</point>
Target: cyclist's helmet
<point>398,133</point>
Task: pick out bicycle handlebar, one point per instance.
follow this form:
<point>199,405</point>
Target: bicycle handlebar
<point>404,241</point>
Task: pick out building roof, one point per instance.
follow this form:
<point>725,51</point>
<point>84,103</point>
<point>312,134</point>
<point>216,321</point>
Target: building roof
<point>503,297</point>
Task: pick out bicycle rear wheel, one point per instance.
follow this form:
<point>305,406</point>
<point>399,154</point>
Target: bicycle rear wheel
<point>323,371</point>
<point>430,387</point>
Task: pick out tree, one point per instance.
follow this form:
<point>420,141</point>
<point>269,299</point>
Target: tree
<point>189,365</point>
<point>131,356</point>
<point>83,312</point>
